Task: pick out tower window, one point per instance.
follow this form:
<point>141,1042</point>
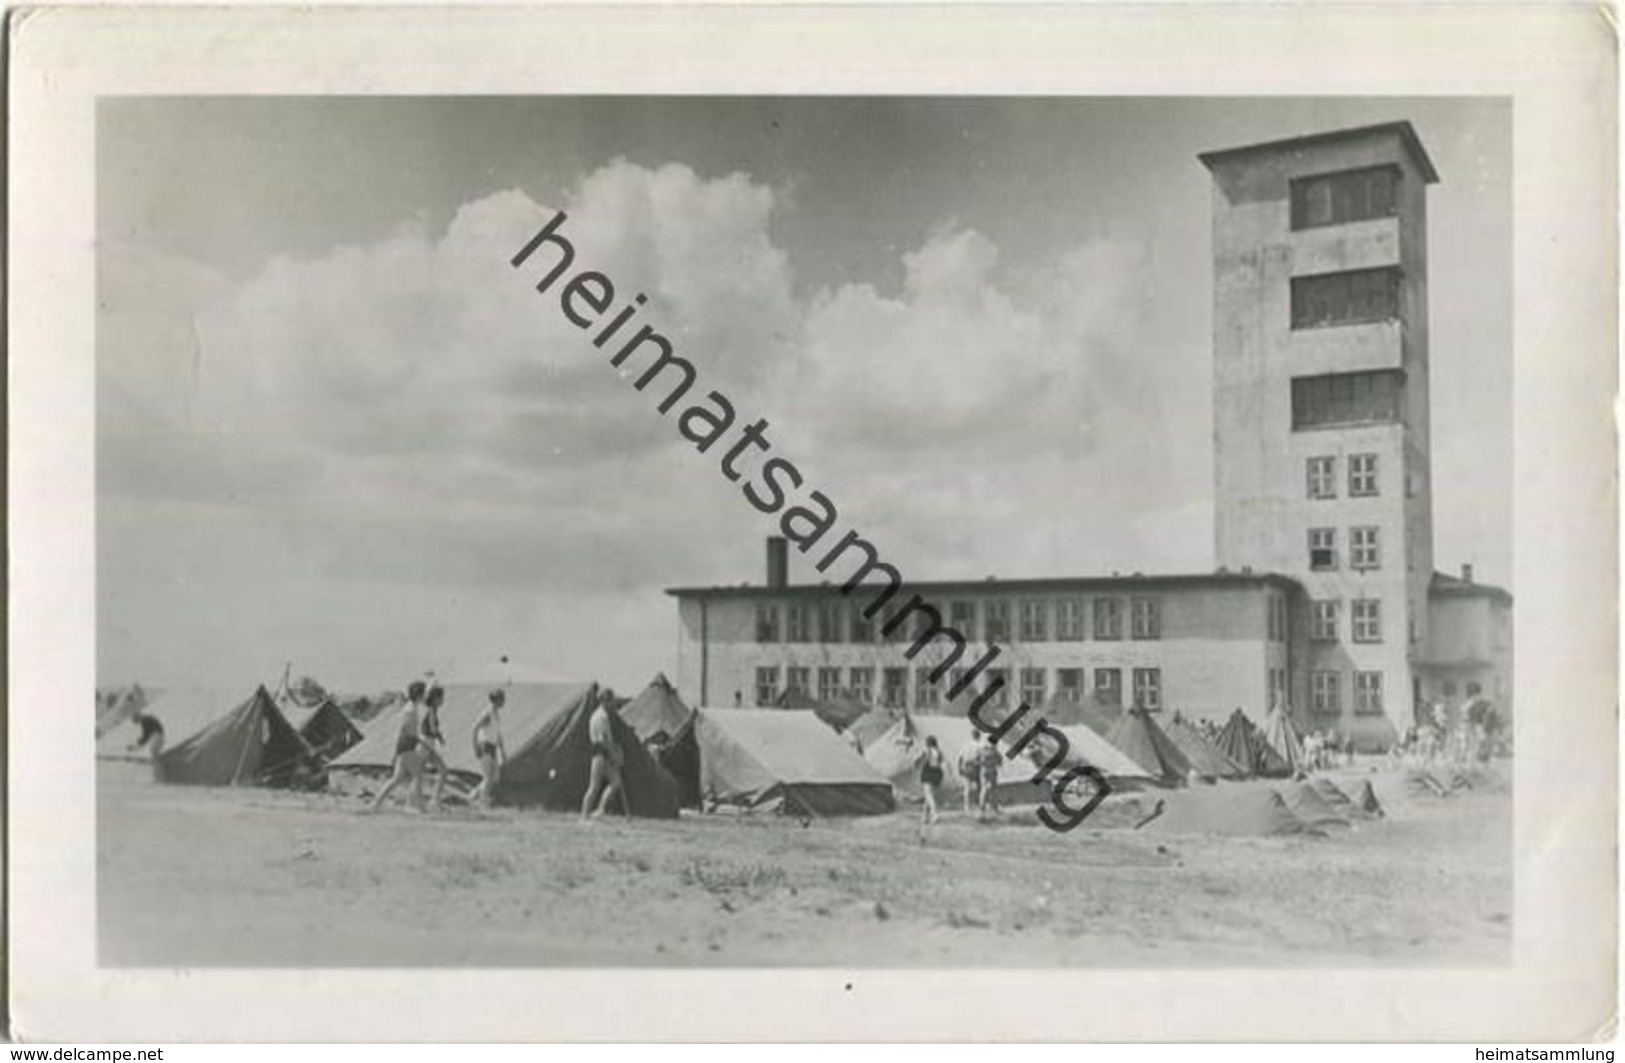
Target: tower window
<point>1323,620</point>
<point>1322,477</point>
<point>1337,198</point>
<point>1324,691</point>
<point>1364,552</point>
<point>1370,397</point>
<point>1362,475</point>
<point>1367,616</point>
<point>1322,549</point>
<point>1368,693</point>
<point>1354,297</point>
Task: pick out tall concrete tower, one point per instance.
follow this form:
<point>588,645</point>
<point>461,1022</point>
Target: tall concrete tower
<point>1321,454</point>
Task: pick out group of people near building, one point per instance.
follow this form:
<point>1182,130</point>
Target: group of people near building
<point>420,749</point>
<point>1461,734</point>
<point>977,765</point>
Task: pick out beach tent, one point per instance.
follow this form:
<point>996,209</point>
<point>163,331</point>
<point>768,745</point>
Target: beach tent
<point>1138,735</point>
<point>323,725</point>
<point>665,723</point>
<point>1334,797</point>
<point>1018,784</point>
<point>839,712</point>
<point>1307,804</point>
<point>207,742</point>
<point>1205,757</point>
<point>1244,809</point>
<point>1120,770</point>
<point>1282,735</point>
<point>1243,743</point>
<point>868,728</point>
<point>786,760</point>
<point>896,753</point>
<point>1366,800</point>
<point>544,729</point>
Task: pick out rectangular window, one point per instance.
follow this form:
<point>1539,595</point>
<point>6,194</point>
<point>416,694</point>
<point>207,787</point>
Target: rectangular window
<point>1032,687</point>
<point>830,628</point>
<point>1367,397</point>
<point>767,623</point>
<point>1034,621</point>
<point>1339,198</point>
<point>996,618</point>
<point>1146,618</point>
<point>1108,686</point>
<point>796,623</point>
<point>1356,297</point>
<point>1069,620</point>
<point>1275,617</point>
<point>798,680</point>
<point>1362,475</point>
<point>1108,619</point>
<point>829,684</point>
<point>767,685</point>
<point>963,619</point>
<point>1322,476</point>
<point>1323,620</point>
<point>1368,693</point>
<point>1002,697</point>
<point>1277,679</point>
<point>1325,693</point>
<point>956,676</point>
<point>861,630</point>
<point>894,688</point>
<point>904,631</point>
<point>1322,549</point>
<point>1069,684</point>
<point>1364,554</point>
<point>1366,614</point>
<point>927,694</point>
<point>862,684</point>
<point>1148,688</point>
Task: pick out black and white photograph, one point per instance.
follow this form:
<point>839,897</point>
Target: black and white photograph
<point>781,533</point>
<point>795,531</point>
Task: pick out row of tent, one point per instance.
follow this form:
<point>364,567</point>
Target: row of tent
<point>676,756</point>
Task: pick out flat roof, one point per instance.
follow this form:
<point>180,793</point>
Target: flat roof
<point>944,588</point>
<point>1404,130</point>
<point>1447,586</point>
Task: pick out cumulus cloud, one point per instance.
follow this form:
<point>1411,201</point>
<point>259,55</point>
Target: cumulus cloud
<point>425,415</point>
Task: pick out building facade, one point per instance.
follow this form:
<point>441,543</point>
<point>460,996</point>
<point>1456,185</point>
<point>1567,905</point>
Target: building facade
<point>1321,435</point>
<point>1202,644</point>
<point>1325,599</point>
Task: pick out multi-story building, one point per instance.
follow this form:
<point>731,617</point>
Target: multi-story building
<point>1325,599</point>
<point>1204,644</point>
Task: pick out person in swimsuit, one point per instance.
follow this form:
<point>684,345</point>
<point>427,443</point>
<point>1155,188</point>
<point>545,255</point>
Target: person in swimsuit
<point>604,779</point>
<point>931,762</point>
<point>969,763</point>
<point>488,748</point>
<point>408,750</point>
<point>434,741</point>
<point>991,760</point>
<point>152,736</point>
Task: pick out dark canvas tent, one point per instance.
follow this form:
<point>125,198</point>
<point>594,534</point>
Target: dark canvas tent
<point>1233,809</point>
<point>250,745</point>
<point>1205,757</point>
<point>785,760</point>
<point>839,712</point>
<point>323,726</point>
<point>544,729</point>
<point>1138,735</point>
<point>1282,735</point>
<point>1307,804</point>
<point>1243,743</point>
<point>665,723</point>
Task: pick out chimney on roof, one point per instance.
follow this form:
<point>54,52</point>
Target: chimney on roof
<point>1467,573</point>
<point>778,561</point>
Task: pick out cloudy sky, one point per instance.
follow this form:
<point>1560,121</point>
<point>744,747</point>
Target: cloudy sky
<point>336,429</point>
